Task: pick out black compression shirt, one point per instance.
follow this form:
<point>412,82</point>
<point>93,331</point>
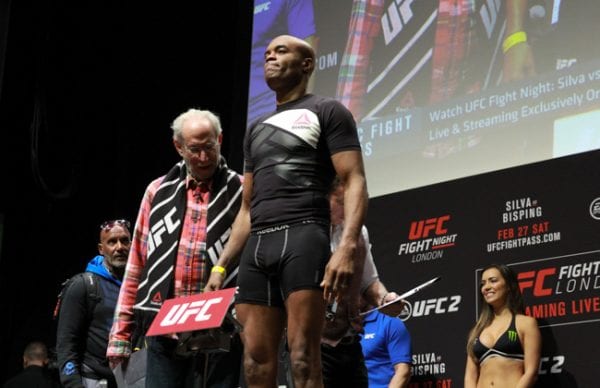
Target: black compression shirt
<point>289,154</point>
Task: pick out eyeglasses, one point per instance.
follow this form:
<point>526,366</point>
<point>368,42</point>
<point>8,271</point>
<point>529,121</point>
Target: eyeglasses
<point>197,149</point>
<point>109,224</point>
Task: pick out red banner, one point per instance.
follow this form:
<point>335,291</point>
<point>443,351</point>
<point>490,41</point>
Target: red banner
<point>190,313</point>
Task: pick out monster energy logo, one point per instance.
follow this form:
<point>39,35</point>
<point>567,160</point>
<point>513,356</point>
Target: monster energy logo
<point>512,335</point>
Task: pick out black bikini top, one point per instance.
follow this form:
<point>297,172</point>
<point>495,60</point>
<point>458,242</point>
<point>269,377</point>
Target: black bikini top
<point>508,345</point>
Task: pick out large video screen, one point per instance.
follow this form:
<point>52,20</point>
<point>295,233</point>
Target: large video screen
<point>451,88</point>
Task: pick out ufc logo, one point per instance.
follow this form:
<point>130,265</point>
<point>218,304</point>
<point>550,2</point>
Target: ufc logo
<point>396,17</point>
<point>261,7</point>
<point>436,305</point>
<point>535,280</point>
<point>421,229</point>
<point>158,229</point>
<point>564,63</point>
<point>180,313</point>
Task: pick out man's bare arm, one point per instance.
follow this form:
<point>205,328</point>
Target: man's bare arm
<point>340,269</point>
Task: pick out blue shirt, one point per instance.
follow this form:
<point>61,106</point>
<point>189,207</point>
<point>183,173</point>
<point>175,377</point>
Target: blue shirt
<point>385,343</point>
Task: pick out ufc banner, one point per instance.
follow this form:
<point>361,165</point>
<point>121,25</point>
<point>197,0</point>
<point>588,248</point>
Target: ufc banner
<point>542,219</point>
<point>189,313</point>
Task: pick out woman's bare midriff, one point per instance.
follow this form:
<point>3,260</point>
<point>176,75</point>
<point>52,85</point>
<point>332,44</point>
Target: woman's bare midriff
<point>500,372</point>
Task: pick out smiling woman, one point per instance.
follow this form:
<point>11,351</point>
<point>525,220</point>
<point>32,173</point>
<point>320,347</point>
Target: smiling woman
<point>504,345</point>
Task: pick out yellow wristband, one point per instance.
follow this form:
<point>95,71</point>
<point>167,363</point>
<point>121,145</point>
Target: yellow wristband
<point>219,269</point>
<point>513,39</point>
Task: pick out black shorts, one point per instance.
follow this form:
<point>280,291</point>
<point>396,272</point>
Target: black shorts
<point>281,259</point>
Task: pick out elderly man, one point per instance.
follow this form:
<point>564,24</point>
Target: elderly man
<point>184,219</point>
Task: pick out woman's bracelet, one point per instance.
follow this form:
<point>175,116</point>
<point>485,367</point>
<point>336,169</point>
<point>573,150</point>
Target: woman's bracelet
<point>219,269</point>
<point>514,39</point>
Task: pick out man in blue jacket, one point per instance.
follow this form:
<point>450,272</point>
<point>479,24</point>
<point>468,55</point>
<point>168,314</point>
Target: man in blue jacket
<point>86,311</point>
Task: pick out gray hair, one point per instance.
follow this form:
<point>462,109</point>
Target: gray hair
<point>177,124</point>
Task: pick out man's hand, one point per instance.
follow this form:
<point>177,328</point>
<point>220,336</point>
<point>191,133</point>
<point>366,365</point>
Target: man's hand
<point>338,276</point>
<point>394,309</point>
<point>215,282</point>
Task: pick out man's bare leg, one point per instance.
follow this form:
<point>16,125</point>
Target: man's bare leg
<point>261,334</point>
<point>306,316</point>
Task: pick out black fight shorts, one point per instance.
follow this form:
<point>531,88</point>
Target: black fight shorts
<point>281,259</point>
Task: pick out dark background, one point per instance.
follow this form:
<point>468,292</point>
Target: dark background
<point>87,93</point>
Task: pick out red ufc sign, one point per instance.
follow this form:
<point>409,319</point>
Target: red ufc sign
<point>535,280</point>
<point>190,313</point>
<point>421,229</point>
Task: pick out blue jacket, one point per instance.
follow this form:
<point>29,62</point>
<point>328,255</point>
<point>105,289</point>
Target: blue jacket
<point>96,266</point>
